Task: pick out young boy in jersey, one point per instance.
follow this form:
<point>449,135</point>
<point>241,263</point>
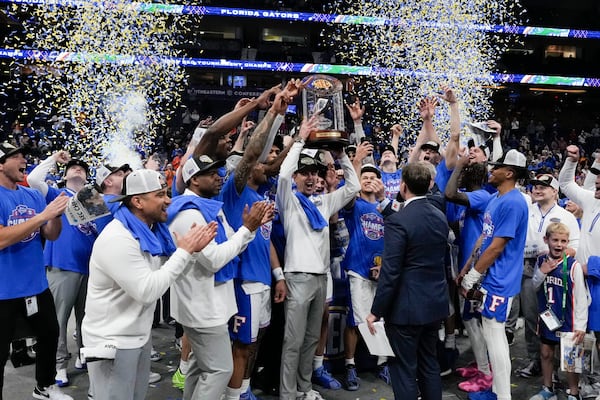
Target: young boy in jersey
<point>560,285</point>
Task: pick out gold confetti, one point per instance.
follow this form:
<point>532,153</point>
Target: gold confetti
<point>432,43</point>
<point>112,93</point>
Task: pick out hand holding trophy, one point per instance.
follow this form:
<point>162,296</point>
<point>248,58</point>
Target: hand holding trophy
<point>322,96</point>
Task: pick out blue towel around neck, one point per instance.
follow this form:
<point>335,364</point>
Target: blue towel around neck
<point>315,218</point>
<point>209,209</point>
<point>156,240</point>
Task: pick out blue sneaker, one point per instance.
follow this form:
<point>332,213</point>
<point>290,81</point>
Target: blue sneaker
<point>322,377</point>
<point>61,378</point>
<point>485,395</point>
<point>248,395</point>
<point>352,381</point>
<point>383,373</point>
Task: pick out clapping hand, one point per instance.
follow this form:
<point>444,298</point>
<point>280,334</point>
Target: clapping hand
<point>197,238</point>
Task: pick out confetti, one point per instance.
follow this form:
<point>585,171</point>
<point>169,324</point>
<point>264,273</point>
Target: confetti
<point>437,41</point>
<point>100,110</point>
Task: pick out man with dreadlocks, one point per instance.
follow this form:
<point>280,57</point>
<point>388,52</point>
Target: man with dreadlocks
<point>468,199</point>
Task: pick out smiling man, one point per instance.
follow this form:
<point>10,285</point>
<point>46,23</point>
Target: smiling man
<point>129,271</point>
<point>498,269</point>
<point>68,257</point>
<point>24,220</point>
<point>305,220</point>
<point>203,298</point>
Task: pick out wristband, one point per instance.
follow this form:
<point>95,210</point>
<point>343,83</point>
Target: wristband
<point>470,279</point>
<point>277,274</point>
<point>383,204</point>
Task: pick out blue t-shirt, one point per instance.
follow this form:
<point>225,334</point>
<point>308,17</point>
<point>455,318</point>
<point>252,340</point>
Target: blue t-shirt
<point>471,223</point>
<point>269,189</point>
<point>255,264</point>
<point>505,216</point>
<point>391,181</point>
<point>23,272</point>
<point>73,248</point>
<point>365,225</point>
<point>442,175</point>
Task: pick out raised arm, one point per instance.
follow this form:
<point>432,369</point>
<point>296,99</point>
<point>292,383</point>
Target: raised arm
<point>363,150</point>
<point>356,113</point>
<point>396,133</point>
<point>272,169</point>
<point>452,192</point>
<point>342,196</point>
<point>289,164</point>
<point>427,133</point>
<point>210,139</point>
<point>566,178</point>
<point>37,178</point>
<point>261,135</point>
<point>452,148</point>
<point>497,149</point>
<point>245,128</point>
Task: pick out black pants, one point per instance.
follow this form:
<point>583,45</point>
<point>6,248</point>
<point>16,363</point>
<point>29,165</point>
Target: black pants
<point>166,309</point>
<point>415,358</point>
<point>45,327</point>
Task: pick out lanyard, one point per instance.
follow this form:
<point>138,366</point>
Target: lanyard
<point>543,216</point>
<point>565,286</point>
<point>594,222</point>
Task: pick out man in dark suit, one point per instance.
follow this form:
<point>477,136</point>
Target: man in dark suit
<point>412,294</point>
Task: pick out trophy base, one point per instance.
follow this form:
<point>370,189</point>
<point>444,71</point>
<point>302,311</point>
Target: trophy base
<point>327,139</point>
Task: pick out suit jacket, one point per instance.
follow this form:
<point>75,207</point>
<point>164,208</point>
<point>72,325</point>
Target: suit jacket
<point>412,287</point>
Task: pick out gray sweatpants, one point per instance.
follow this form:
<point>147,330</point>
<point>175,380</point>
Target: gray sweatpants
<point>211,365</point>
<point>124,378</point>
<point>69,290</point>
<point>304,307</point>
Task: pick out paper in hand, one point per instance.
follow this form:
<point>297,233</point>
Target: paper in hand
<point>87,205</point>
<point>378,344</point>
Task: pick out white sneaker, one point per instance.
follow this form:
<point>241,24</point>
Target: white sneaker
<point>312,395</point>
<point>79,364</point>
<point>154,377</point>
<point>50,393</point>
<point>155,355</point>
<point>61,377</point>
